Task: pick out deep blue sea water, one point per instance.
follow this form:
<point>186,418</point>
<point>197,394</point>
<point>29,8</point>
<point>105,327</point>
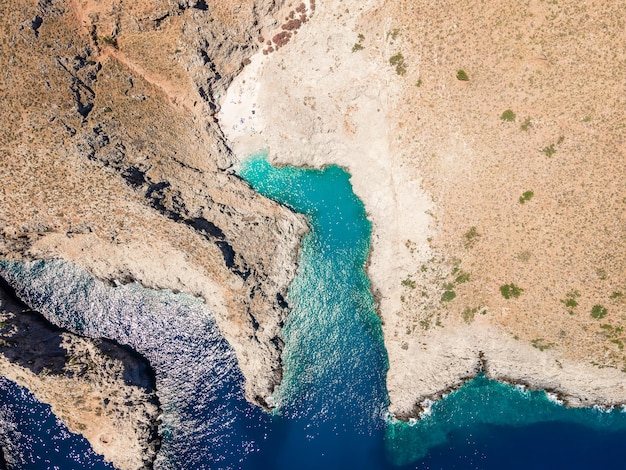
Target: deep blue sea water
<point>332,403</point>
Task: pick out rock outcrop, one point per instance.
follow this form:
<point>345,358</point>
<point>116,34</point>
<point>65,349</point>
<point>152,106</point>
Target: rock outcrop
<point>98,388</point>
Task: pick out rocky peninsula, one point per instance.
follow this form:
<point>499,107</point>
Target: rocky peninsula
<point>487,145</point>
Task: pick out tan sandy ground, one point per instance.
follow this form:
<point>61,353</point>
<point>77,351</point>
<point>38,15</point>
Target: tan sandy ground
<point>441,175</point>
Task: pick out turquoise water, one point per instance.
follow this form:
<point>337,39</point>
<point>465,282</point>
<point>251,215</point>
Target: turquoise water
<point>334,353</point>
<point>331,406</point>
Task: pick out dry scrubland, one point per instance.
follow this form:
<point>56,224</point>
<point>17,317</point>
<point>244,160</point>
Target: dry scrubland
<point>536,199</point>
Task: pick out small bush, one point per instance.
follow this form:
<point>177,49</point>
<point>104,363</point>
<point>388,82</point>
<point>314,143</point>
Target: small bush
<point>510,290</point>
<point>448,295</point>
<point>508,116</point>
<point>471,237</point>
<point>526,196</point>
<point>468,314</point>
<point>108,41</point>
<point>461,75</point>
<point>598,311</point>
<point>462,277</point>
<point>409,283</point>
<point>570,301</point>
<point>357,47</point>
<point>540,344</point>
<point>397,61</point>
<point>527,124</point>
<point>549,151</point>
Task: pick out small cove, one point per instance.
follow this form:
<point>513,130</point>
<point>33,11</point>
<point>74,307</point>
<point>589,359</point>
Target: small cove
<point>331,405</point>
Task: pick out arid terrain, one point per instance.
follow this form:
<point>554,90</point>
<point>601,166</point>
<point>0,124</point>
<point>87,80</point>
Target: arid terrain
<point>485,140</point>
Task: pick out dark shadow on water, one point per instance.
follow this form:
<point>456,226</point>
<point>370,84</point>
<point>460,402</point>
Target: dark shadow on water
<point>538,446</point>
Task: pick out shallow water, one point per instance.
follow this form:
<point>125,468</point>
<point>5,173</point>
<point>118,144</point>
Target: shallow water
<point>332,402</point>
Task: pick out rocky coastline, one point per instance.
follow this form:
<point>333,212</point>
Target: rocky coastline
<point>127,170</point>
<point>100,389</point>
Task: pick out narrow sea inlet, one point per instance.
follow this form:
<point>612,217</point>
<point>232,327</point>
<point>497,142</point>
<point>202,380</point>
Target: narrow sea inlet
<point>331,406</point>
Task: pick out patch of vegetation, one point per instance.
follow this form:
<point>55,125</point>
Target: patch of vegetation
<point>541,344</point>
<point>108,41</point>
<point>601,273</point>
<point>598,311</point>
<point>524,256</point>
<point>471,237</point>
<point>510,290</point>
<point>508,116</point>
<point>561,139</point>
<point>549,151</point>
<point>419,83</point>
<point>107,109</point>
<point>425,324</point>
<point>393,34</point>
<point>462,277</point>
<point>526,196</point>
<point>468,314</point>
<point>357,47</point>
<point>615,295</point>
<point>619,343</point>
<point>526,125</point>
<point>587,118</point>
<point>448,295</point>
<point>462,75</point>
<point>397,61</point>
<point>408,282</point>
<point>570,301</point>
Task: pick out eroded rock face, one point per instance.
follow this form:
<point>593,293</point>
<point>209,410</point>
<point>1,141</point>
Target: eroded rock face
<point>111,158</point>
<point>98,388</point>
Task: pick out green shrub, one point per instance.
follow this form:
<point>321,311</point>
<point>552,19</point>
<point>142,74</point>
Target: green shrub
<point>448,295</point>
<point>397,61</point>
<point>461,75</point>
<point>357,47</point>
<point>510,290</point>
<point>540,344</point>
<point>409,283</point>
<point>598,311</point>
<point>508,116</point>
<point>570,301</point>
<point>471,237</point>
<point>526,196</point>
<point>549,151</point>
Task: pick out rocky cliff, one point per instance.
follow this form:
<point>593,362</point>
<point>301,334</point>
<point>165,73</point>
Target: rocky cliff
<point>98,388</point>
<point>111,158</point>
